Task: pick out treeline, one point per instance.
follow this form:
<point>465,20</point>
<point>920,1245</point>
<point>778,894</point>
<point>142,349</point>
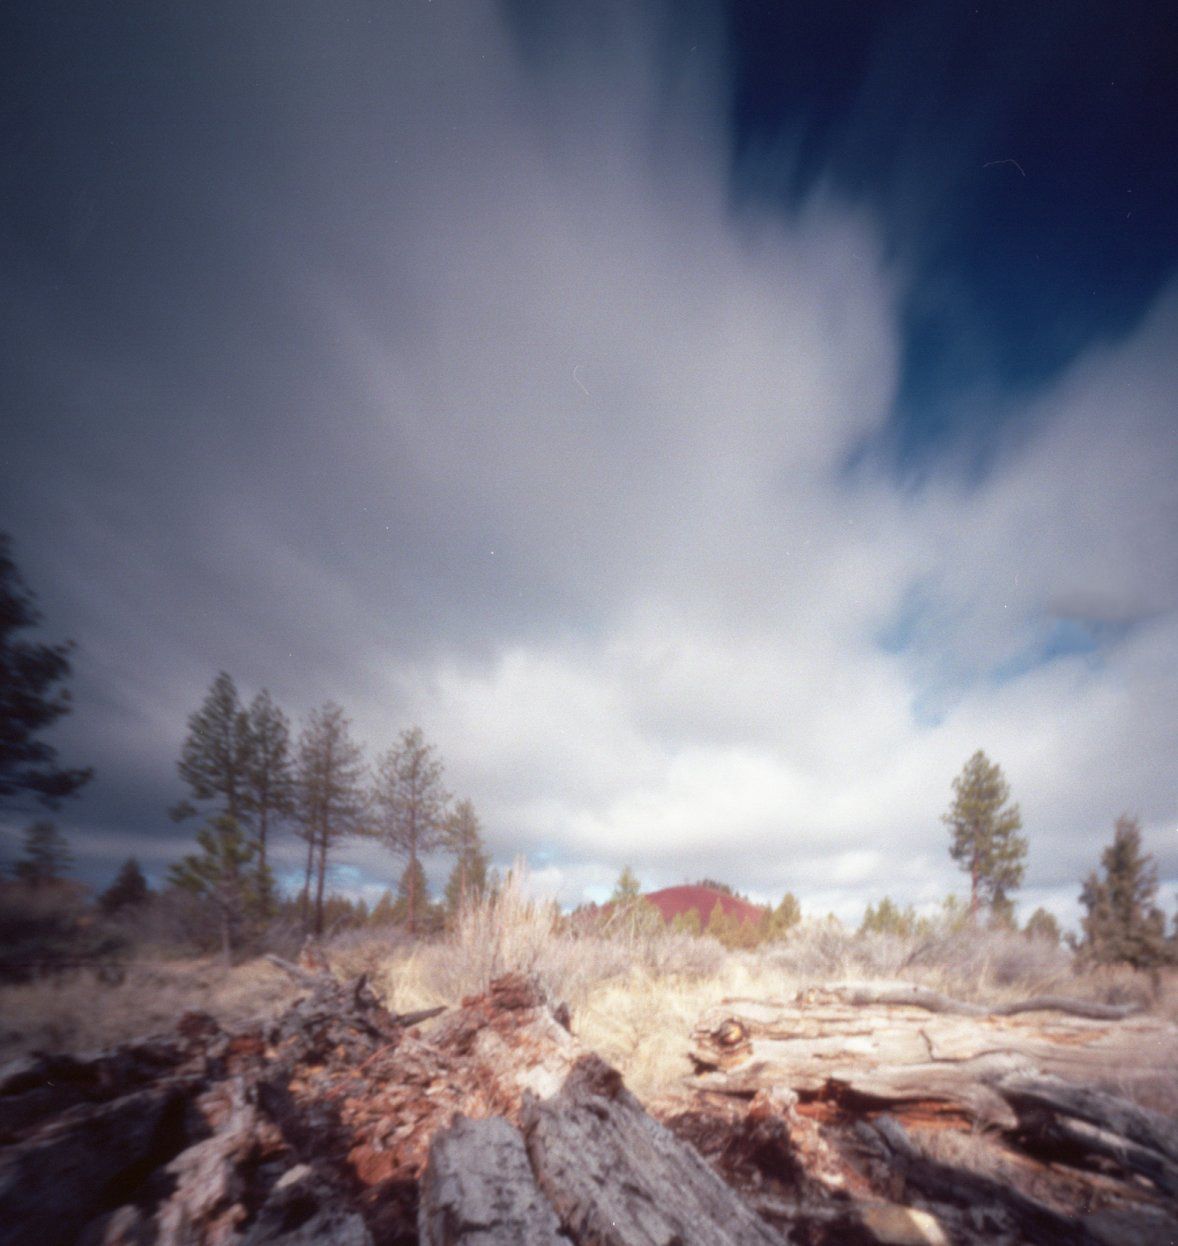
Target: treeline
<point>253,781</point>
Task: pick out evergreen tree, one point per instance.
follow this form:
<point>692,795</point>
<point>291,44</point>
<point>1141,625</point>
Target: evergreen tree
<point>888,918</point>
<point>627,889</point>
<point>413,805</point>
<point>217,753</point>
<point>31,699</point>
<point>269,786</point>
<point>221,873</point>
<point>468,879</point>
<point>985,830</point>
<point>1122,923</point>
<point>687,922</point>
<point>1042,925</point>
<point>128,891</point>
<point>331,796</point>
<point>784,917</point>
<point>47,856</point>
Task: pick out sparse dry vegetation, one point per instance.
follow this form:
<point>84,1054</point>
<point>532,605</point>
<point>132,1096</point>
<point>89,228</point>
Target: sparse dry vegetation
<point>635,988</point>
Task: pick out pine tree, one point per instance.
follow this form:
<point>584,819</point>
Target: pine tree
<point>627,889</point>
<point>331,795</point>
<point>985,834</point>
<point>687,922</point>
<point>47,856</point>
<point>1042,925</point>
<point>468,879</point>
<point>129,889</point>
<point>888,918</point>
<point>784,917</point>
<point>216,756</point>
<point>1122,923</point>
<point>413,805</point>
<point>30,699</point>
<point>221,872</point>
<point>268,788</point>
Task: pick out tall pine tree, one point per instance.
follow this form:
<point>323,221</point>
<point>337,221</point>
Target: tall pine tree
<point>47,856</point>
<point>468,879</point>
<point>1121,921</point>
<point>216,756</point>
<point>331,795</point>
<point>985,827</point>
<point>31,699</point>
<point>412,803</point>
<point>269,788</point>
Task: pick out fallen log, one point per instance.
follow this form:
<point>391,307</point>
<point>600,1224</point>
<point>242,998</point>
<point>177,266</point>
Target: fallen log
<point>1080,1122</point>
<point>1006,1209</point>
<point>616,1177</point>
<point>478,1190</point>
<point>909,994</point>
<point>897,1044</point>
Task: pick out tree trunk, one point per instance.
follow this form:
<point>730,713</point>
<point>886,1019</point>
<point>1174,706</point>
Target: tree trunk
<point>412,890</point>
<point>320,883</point>
<point>307,879</point>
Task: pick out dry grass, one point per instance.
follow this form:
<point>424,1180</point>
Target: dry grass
<point>635,992</point>
<point>78,1011</point>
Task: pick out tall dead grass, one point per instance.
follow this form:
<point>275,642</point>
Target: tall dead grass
<point>635,989</point>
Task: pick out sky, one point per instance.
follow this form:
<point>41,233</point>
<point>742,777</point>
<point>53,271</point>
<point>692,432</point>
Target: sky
<point>711,423</point>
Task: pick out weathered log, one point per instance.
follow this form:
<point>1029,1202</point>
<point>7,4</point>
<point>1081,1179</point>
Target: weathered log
<point>478,1190</point>
<point>91,1158</point>
<point>909,994</point>
<point>616,1177</point>
<point>1007,1209</point>
<point>896,1045</point>
<point>321,980</point>
<point>1077,1120</point>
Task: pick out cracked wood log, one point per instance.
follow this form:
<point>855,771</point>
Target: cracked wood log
<point>1007,1210</point>
<point>478,1190</point>
<point>1082,1122</point>
<point>616,1177</point>
<point>897,1044</point>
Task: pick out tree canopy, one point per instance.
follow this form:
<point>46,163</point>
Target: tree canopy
<point>331,793</point>
<point>1121,921</point>
<point>985,827</point>
<point>32,698</point>
<point>46,857</point>
<point>412,803</point>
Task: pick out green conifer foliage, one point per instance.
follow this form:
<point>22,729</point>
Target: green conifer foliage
<point>468,879</point>
<point>47,856</point>
<point>1121,922</point>
<point>412,804</point>
<point>985,829</point>
<point>31,700</point>
<point>222,873</point>
<point>128,891</point>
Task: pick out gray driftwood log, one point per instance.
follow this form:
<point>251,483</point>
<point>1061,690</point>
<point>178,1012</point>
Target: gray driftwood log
<point>897,1044</point>
<point>616,1177</point>
<point>590,1166</point>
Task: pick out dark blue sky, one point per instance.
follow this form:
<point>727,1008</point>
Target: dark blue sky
<point>397,352</point>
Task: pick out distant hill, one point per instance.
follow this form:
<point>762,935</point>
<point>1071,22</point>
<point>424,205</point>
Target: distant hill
<point>672,901</point>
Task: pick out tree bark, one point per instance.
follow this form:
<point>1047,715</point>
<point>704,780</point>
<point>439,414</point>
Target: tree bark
<point>616,1177</point>
<point>478,1190</point>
